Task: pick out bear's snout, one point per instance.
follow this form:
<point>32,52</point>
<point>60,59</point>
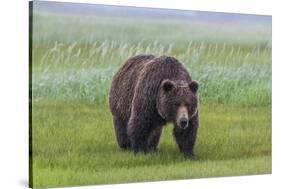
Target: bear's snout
<point>182,117</point>
<point>183,122</point>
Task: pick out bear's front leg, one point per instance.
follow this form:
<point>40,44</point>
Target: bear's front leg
<point>138,132</point>
<point>153,139</point>
<point>186,138</point>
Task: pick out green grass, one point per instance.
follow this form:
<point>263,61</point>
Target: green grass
<point>74,58</point>
<point>75,144</point>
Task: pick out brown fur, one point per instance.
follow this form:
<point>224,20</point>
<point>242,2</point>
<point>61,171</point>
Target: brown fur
<point>145,94</point>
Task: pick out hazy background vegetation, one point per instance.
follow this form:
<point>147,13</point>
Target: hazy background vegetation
<point>78,48</point>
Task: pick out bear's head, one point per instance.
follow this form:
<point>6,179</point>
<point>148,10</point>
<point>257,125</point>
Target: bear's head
<point>177,101</point>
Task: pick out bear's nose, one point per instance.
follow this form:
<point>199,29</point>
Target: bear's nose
<point>183,122</point>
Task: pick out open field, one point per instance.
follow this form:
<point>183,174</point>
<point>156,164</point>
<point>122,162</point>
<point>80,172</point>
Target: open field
<point>74,144</point>
<point>73,60</point>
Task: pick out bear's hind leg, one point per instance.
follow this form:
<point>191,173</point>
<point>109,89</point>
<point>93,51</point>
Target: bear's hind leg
<point>121,133</point>
<point>154,138</point>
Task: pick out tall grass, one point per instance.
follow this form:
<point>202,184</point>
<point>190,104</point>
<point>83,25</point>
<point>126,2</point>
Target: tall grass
<point>75,57</point>
<point>226,73</point>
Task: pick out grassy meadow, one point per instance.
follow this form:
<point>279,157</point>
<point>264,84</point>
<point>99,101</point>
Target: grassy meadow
<point>74,57</point>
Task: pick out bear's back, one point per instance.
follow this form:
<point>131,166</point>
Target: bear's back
<point>146,69</point>
<point>123,84</point>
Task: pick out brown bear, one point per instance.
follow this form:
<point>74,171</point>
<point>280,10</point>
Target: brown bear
<point>146,93</point>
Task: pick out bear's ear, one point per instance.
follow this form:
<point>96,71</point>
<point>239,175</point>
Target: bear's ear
<point>193,85</point>
<point>167,85</point>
